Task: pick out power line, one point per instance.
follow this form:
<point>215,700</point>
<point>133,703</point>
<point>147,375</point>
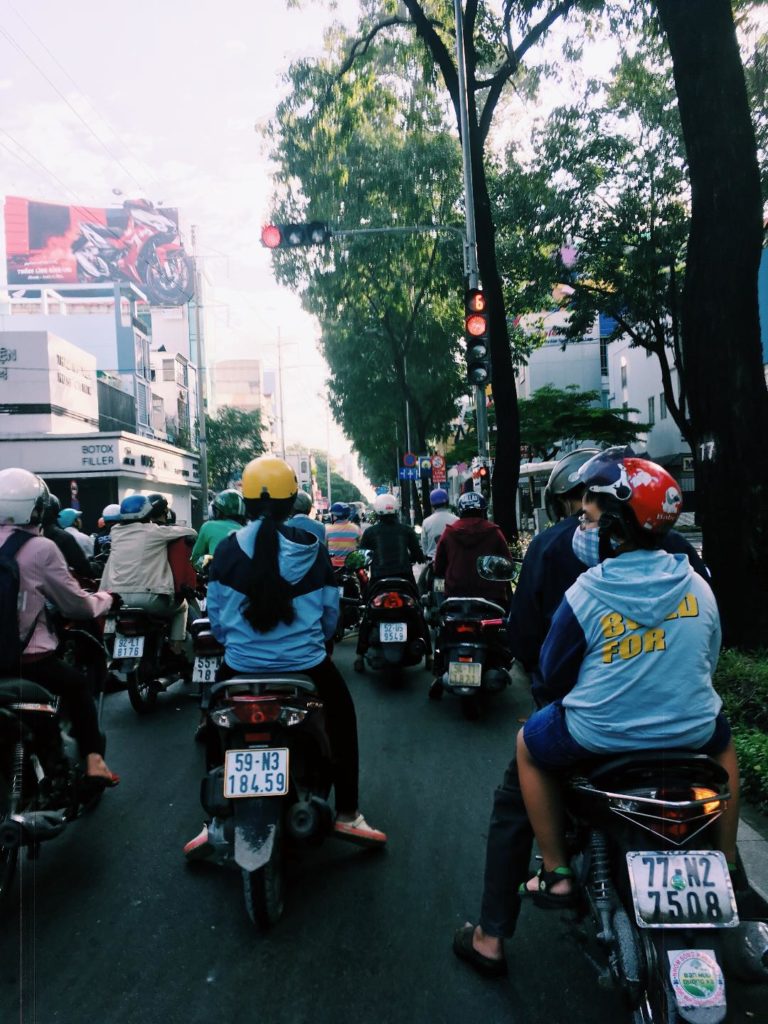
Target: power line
<point>74,109</point>
<point>86,211</point>
<point>87,99</point>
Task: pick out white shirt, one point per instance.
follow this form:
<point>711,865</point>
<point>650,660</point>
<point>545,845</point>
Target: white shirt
<point>432,529</point>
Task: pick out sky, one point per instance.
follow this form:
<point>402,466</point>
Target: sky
<point>164,100</point>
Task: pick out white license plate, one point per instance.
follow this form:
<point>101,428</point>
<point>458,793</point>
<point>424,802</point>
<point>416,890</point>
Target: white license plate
<point>206,669</point>
<point>128,646</point>
<point>671,889</point>
<point>438,585</point>
<point>109,626</point>
<point>465,673</point>
<point>393,632</point>
<point>249,773</point>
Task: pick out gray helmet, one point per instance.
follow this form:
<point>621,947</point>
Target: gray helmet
<point>302,506</point>
<point>564,479</point>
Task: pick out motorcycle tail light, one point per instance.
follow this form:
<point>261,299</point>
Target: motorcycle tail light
<point>47,709</point>
<point>393,600</point>
<point>466,627</point>
<point>491,622</point>
<point>255,710</point>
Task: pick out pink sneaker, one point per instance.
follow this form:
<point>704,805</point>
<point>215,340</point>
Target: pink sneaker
<point>360,832</point>
<point>200,848</point>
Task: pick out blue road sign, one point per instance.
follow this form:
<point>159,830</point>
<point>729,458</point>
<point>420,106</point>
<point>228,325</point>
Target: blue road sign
<point>408,474</point>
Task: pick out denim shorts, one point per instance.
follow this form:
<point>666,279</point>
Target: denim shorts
<point>552,747</point>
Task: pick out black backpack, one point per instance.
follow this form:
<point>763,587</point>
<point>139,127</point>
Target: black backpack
<point>11,644</point>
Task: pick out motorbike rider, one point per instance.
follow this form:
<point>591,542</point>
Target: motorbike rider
<point>549,568</point>
<point>71,520</point>
<point>138,567</point>
<point>433,526</point>
<point>301,516</point>
<point>394,548</point>
<point>273,602</point>
<point>45,577</point>
<point>228,511</point>
<point>102,538</point>
<point>64,541</point>
<point>342,536</point>
<point>628,661</point>
<point>462,543</point>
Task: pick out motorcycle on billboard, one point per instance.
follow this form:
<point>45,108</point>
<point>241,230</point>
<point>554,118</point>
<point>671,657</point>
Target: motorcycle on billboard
<point>147,251</point>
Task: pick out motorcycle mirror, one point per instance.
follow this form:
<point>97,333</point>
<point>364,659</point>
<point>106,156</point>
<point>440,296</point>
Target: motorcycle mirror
<point>497,569</point>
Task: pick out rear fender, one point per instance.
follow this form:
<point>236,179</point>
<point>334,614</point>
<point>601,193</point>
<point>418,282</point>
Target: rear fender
<point>394,654</point>
<point>256,821</point>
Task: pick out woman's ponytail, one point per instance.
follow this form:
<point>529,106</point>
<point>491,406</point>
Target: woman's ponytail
<point>269,595</point>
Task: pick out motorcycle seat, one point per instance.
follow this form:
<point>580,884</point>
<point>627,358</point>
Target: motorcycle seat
<point>392,583</point>
<point>607,771</point>
<point>22,691</point>
<point>269,680</point>
<point>127,612</point>
<point>466,605</point>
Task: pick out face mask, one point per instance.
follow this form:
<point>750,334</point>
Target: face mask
<point>586,546</point>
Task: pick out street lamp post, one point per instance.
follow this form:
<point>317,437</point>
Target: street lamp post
<point>201,403</point>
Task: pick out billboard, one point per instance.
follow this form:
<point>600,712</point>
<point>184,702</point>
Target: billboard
<point>50,244</point>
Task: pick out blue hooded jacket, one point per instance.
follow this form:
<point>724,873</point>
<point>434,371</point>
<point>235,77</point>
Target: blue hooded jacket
<point>291,647</point>
<point>632,650</point>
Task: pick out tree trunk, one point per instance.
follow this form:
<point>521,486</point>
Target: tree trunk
<point>507,465</point>
<point>727,396</point>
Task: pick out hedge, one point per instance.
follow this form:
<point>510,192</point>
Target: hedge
<point>742,682</point>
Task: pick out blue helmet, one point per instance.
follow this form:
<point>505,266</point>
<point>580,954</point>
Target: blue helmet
<point>340,510</point>
<point>471,504</point>
<point>134,508</point>
<point>438,498</point>
<point>68,517</point>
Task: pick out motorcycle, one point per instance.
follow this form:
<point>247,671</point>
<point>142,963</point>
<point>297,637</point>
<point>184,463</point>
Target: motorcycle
<point>395,626</point>
<point>268,780</point>
<point>140,653</point>
<point>352,581</point>
<point>147,251</point>
<point>471,653</point>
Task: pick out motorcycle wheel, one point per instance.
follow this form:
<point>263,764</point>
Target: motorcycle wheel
<point>142,692</point>
<point>263,889</point>
<point>173,289</point>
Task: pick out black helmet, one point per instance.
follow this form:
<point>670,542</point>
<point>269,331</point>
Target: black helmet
<point>51,510</point>
<point>158,505</point>
<point>564,481</point>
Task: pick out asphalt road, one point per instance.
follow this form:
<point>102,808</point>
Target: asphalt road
<point>111,927</point>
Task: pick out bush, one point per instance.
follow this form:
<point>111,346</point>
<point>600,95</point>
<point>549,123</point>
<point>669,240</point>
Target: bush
<point>742,681</point>
<point>752,748</point>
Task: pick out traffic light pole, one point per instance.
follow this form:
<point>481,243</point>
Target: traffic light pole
<point>470,251</point>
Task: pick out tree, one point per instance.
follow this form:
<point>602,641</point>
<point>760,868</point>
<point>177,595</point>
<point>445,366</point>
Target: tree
<point>341,489</point>
<point>552,418</point>
<point>233,439</point>
<point>727,394</point>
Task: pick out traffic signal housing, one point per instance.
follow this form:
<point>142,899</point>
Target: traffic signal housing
<point>477,337</point>
<point>291,236</point>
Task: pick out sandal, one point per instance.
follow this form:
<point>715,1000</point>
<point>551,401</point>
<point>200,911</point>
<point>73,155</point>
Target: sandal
<point>464,950</point>
<point>542,897</point>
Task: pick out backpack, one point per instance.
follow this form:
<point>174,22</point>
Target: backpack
<point>11,644</point>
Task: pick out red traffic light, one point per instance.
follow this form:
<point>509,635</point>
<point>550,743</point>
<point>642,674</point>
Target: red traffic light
<point>476,325</point>
<point>271,236</point>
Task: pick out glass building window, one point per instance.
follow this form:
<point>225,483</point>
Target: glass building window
<point>662,406</point>
<point>652,410</point>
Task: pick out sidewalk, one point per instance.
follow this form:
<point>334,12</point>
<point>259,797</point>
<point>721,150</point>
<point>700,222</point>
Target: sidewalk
<point>753,845</point>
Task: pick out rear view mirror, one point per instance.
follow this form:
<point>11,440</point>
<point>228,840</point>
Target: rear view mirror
<point>497,569</point>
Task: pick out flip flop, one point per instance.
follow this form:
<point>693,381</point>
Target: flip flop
<point>103,781</point>
<point>464,950</point>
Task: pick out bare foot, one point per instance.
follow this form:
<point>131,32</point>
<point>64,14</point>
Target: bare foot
<point>96,767</point>
<point>489,945</point>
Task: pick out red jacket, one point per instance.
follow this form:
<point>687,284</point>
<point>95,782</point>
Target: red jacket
<point>458,550</point>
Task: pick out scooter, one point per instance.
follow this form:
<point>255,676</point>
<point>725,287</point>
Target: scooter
<point>269,775</point>
<point>395,627</point>
<point>352,581</point>
<point>140,652</point>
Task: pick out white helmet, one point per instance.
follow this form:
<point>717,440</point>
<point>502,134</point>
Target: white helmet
<point>385,505</point>
<point>23,497</point>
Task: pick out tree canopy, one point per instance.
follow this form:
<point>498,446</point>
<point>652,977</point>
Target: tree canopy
<point>233,439</point>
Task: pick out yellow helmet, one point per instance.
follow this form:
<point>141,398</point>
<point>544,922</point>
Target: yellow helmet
<point>269,477</point>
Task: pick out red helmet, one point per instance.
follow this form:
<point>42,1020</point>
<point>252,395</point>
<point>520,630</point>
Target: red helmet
<point>634,485</point>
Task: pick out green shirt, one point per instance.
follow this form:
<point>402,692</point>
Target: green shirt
<point>211,533</point>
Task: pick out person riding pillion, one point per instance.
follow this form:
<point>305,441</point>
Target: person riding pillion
<point>273,602</point>
<point>138,567</point>
<point>301,517</point>
<point>433,526</point>
<point>342,536</point>
<point>228,511</point>
<point>460,546</point>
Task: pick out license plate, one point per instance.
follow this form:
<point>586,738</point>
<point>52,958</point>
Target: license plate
<point>128,646</point>
<point>438,585</point>
<point>109,626</point>
<point>393,632</point>
<point>249,773</point>
<point>206,669</point>
<point>681,890</point>
<point>465,673</point>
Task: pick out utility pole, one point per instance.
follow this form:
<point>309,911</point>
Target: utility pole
<point>473,277</point>
<point>408,439</point>
<point>201,389</point>
<point>328,453</point>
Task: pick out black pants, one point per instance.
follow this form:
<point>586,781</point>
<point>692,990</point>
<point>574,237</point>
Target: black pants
<point>507,857</point>
<point>341,723</point>
<point>66,682</point>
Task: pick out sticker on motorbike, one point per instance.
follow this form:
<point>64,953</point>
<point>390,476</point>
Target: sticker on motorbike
<point>465,673</point>
<point>697,980</point>
<point>259,772</point>
<point>128,646</point>
<point>205,670</point>
<point>671,889</point>
<point>393,632</point>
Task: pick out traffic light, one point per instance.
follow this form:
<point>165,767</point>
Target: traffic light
<point>290,236</point>
<point>477,336</point>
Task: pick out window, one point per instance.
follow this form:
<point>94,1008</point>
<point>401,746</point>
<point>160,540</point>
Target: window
<point>603,356</point>
<point>662,406</point>
<point>652,410</point>
<point>623,371</point>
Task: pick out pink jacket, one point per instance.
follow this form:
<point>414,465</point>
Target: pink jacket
<point>44,576</point>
